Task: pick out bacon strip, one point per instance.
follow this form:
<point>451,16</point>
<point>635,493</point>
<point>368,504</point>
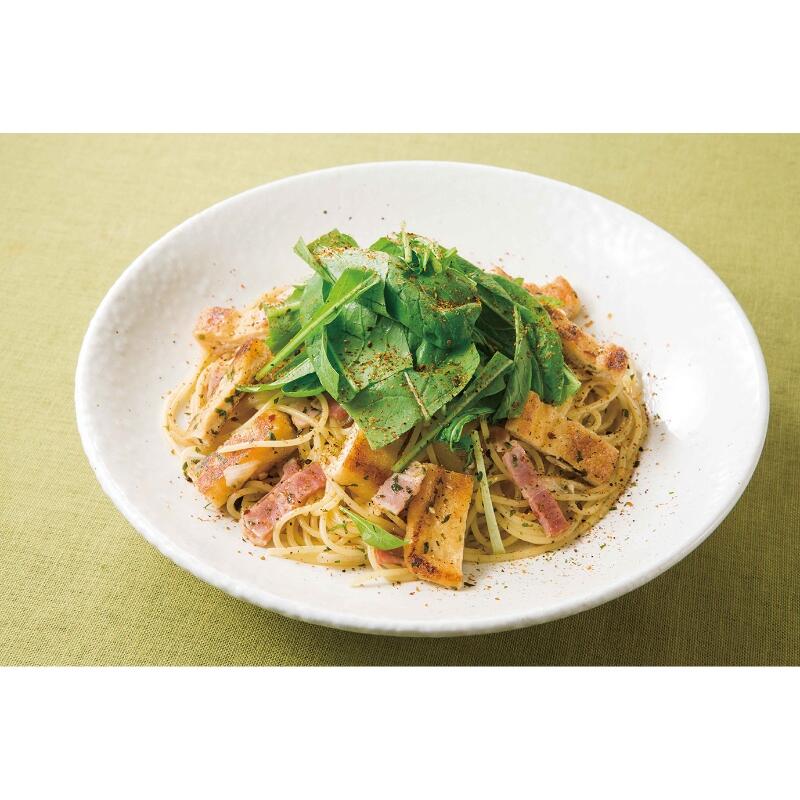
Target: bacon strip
<point>290,493</point>
<point>399,488</point>
<point>530,483</point>
<point>290,468</point>
<point>390,558</point>
<point>336,411</point>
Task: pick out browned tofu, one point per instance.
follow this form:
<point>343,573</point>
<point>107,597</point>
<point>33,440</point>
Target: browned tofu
<point>220,329</point>
<point>221,397</point>
<point>359,468</point>
<point>583,349</point>
<point>547,429</point>
<point>562,290</point>
<point>436,526</point>
<point>210,476</point>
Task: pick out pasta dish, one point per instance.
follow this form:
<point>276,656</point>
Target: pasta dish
<point>406,411</point>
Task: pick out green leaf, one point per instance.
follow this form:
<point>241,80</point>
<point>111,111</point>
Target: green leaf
<point>571,384</point>
<point>332,239</point>
<point>519,379</point>
<point>308,386</point>
<point>299,367</point>
<point>498,295</point>
<point>372,534</point>
<point>441,307</point>
<point>453,433</point>
<point>548,350</point>
<point>312,298</point>
<point>488,284</point>
<point>369,348</point>
<point>350,285</point>
<point>547,300</point>
<point>328,368</point>
<point>297,380</point>
<point>284,319</point>
<point>440,375</point>
<point>483,382</point>
<point>488,509</point>
<point>384,410</point>
<point>387,245</point>
<point>336,260</point>
<point>302,250</point>
<point>418,253</point>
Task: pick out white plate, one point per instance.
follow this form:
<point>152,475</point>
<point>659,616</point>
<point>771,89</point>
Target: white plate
<point>703,372</point>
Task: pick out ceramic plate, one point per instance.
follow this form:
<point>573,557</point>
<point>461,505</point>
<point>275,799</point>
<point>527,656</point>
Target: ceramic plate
<point>703,372</point>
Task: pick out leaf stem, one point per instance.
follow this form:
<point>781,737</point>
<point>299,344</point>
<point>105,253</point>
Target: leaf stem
<point>488,509</point>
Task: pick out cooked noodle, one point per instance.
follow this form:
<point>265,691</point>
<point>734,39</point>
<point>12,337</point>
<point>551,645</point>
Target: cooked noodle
<point>319,533</point>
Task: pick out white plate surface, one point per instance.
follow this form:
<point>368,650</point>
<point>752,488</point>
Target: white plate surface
<point>702,368</point>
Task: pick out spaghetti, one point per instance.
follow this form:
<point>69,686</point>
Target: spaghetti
<point>318,533</point>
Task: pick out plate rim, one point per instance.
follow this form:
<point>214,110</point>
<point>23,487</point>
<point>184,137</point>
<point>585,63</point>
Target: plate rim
<point>435,627</point>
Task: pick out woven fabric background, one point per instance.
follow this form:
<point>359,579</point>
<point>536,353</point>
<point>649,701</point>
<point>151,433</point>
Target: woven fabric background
<point>79,586</point>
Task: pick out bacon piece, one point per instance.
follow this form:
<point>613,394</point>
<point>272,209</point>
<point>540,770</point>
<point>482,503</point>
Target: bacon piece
<point>390,558</point>
<point>336,411</point>
<point>533,489</point>
<point>289,493</point>
<point>399,488</point>
<point>289,468</point>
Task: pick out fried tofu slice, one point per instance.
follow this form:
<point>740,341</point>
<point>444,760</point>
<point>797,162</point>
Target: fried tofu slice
<point>562,290</point>
<point>548,429</point>
<point>359,468</point>
<point>583,349</point>
<point>219,475</point>
<point>220,329</point>
<point>436,525</point>
<point>580,347</point>
<point>221,395</point>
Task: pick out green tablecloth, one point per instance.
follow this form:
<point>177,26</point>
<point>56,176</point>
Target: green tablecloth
<point>79,586</point>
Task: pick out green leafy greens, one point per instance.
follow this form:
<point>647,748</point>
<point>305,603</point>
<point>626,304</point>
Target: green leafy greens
<point>483,384</point>
<point>352,283</point>
<point>409,332</point>
<point>372,534</point>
